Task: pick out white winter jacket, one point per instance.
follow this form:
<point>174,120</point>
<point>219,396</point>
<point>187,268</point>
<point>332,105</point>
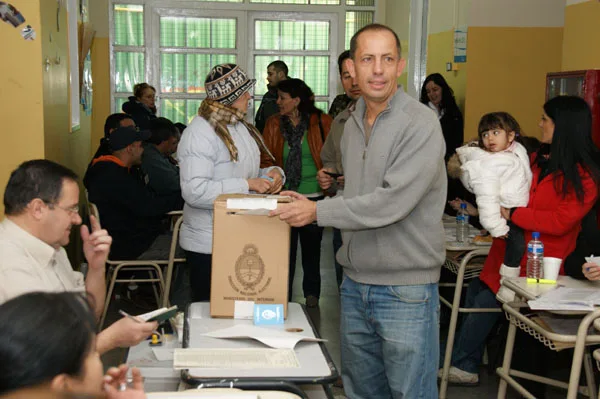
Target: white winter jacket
<point>497,179</point>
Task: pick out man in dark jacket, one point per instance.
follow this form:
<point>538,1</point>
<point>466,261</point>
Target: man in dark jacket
<point>276,72</point>
<point>157,164</point>
<point>129,211</point>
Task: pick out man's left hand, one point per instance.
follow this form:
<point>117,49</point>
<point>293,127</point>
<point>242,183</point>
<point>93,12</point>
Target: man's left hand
<point>96,245</point>
<point>277,183</point>
<point>298,213</point>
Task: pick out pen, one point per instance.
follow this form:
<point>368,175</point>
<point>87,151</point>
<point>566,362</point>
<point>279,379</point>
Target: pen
<point>125,314</point>
<point>540,281</point>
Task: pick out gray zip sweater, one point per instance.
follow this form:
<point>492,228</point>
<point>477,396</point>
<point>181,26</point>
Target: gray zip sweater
<point>391,210</point>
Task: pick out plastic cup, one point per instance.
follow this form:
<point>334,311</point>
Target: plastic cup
<point>551,268</point>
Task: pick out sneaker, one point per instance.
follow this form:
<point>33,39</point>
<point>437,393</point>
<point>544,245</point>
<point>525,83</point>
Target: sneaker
<point>505,295</point>
<point>457,376</point>
<point>312,301</point>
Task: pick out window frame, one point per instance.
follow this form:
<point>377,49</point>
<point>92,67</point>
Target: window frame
<point>151,48</point>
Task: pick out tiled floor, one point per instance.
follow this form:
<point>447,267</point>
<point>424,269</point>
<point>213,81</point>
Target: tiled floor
<point>326,319</point>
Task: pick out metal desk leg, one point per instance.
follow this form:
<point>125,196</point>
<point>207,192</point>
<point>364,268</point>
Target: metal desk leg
<point>452,329</point>
<point>508,351</point>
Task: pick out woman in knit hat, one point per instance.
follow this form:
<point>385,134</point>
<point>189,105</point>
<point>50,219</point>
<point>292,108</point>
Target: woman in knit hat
<point>218,154</point>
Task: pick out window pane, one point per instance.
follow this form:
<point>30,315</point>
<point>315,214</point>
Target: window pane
<point>317,35</point>
<point>354,21</point>
<point>179,110</point>
<point>198,32</point>
<point>172,32</point>
<point>223,33</point>
<point>185,73</point>
<point>129,25</point>
<point>119,101</point>
<point>316,74</point>
<point>225,1</point>
<point>368,3</point>
<point>280,1</point>
<point>266,35</point>
<point>329,2</point>
<point>172,73</point>
<point>292,35</point>
<point>129,70</point>
<point>322,105</point>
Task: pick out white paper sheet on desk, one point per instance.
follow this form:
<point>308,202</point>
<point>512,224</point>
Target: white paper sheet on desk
<point>563,298</point>
<point>273,338</point>
<point>163,354</point>
<point>228,358</point>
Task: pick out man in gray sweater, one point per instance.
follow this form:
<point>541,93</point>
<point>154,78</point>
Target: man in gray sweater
<point>391,220</point>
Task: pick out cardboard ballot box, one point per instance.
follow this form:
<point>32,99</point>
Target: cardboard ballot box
<point>250,259</point>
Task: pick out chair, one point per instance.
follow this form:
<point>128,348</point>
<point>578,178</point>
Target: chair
<point>152,267</point>
<point>554,341</point>
<point>462,273</point>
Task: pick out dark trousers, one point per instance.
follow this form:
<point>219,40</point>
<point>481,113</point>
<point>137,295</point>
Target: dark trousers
<point>200,267</point>
<point>310,241</point>
<point>337,244</point>
<point>515,246</point>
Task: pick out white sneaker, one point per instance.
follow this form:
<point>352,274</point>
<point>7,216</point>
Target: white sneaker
<point>457,376</point>
<point>505,295</point>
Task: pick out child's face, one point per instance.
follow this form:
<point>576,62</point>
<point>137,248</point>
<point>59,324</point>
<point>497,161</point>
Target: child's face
<point>496,140</point>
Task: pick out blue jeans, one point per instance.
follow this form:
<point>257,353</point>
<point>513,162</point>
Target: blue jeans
<point>469,344</point>
<point>389,340</point>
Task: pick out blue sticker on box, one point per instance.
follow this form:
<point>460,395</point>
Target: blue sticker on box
<point>268,314</point>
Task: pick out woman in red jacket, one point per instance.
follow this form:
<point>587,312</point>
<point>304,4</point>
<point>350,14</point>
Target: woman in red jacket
<point>564,188</point>
<point>295,137</point>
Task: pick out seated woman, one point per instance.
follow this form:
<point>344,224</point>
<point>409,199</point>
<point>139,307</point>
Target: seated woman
<point>295,137</point>
<point>141,105</point>
<point>48,343</point>
<point>564,189</point>
<point>588,243</point>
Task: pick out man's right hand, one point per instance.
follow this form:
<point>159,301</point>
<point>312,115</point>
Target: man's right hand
<point>259,185</point>
<point>127,332</point>
<point>325,181</point>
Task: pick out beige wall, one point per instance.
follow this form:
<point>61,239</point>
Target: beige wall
<point>21,105</point>
<point>582,36</point>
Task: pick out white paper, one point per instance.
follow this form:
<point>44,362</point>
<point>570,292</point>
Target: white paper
<point>252,203</point>
<point>149,315</point>
<point>563,298</point>
<point>246,358</point>
<point>243,310</point>
<point>593,259</point>
<point>163,354</point>
<point>269,337</point>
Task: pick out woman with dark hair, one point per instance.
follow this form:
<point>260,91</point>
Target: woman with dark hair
<point>438,96</point>
<point>295,137</point>
<point>141,106</point>
<point>564,188</point>
<point>48,342</point>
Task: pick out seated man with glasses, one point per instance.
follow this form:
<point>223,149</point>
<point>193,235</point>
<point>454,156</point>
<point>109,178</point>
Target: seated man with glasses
<point>129,210</point>
<point>41,203</point>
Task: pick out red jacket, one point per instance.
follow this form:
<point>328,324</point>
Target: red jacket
<point>557,219</point>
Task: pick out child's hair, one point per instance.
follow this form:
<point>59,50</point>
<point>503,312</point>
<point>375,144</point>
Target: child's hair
<point>498,120</point>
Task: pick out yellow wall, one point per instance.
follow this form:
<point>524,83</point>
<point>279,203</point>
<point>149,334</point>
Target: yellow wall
<point>101,78</point>
<point>440,50</point>
<point>581,37</point>
<point>21,108</point>
<point>507,70</point>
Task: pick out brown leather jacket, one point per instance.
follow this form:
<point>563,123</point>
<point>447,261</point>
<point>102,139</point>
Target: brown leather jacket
<point>274,140</point>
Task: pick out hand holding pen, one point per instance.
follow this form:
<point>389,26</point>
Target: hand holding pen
<point>130,330</point>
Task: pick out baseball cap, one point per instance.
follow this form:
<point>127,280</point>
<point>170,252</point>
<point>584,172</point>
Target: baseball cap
<point>121,137</point>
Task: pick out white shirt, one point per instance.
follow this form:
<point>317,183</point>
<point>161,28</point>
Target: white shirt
<point>28,264</point>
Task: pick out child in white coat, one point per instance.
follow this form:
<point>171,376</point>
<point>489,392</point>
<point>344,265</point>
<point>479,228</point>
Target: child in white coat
<point>497,171</point>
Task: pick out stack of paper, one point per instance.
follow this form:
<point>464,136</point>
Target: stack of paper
<point>244,358</point>
<point>274,338</point>
<point>562,298</point>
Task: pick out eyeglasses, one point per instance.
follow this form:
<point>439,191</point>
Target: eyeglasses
<point>71,210</point>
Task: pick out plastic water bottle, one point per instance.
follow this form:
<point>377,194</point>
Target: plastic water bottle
<point>535,257</point>
<point>462,224</point>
